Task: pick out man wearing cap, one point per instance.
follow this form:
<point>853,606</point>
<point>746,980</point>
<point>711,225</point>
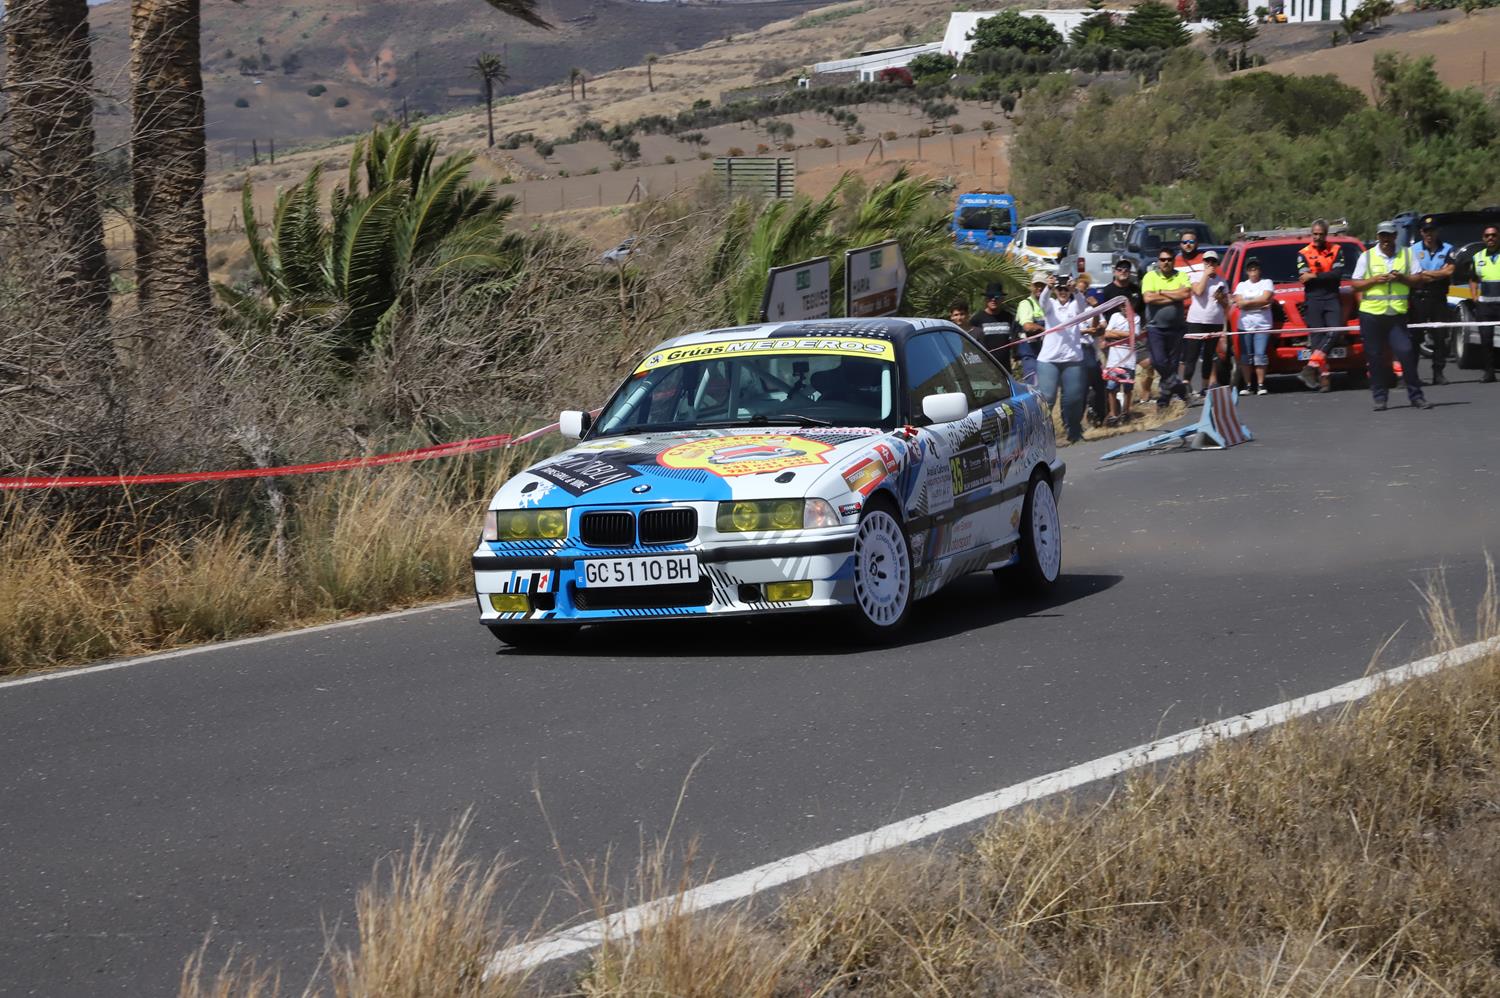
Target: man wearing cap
<point>1383,278</point>
<point>1165,289</point>
<point>993,325</point>
<point>1433,260</point>
<point>1320,272</point>
<point>1125,286</point>
<point>1029,321</point>
<point>1484,285</point>
<point>1205,315</point>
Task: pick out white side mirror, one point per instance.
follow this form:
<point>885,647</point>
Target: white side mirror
<point>573,424</point>
<point>947,407</point>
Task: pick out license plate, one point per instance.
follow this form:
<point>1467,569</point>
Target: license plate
<point>1336,353</point>
<point>660,570</point>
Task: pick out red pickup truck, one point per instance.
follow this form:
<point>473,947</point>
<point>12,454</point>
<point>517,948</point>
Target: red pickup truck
<point>1277,253</point>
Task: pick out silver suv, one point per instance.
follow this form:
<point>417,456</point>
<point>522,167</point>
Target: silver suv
<point>1096,244</point>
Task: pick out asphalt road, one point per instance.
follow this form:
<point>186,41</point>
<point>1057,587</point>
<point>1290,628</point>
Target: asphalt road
<point>249,790</point>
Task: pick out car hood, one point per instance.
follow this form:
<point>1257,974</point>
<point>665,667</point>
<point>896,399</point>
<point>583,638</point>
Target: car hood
<point>753,462</point>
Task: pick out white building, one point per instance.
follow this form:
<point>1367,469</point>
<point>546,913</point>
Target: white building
<point>1298,11</point>
<point>867,64</point>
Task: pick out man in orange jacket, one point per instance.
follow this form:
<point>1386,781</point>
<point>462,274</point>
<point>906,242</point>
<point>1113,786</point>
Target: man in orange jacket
<point>1320,271</point>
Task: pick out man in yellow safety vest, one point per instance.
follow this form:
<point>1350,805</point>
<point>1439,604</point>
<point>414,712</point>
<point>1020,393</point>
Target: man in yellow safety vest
<point>1382,277</point>
<point>1484,286</point>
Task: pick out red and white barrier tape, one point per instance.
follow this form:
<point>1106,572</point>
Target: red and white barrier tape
<point>1299,331</point>
<point>1097,310</point>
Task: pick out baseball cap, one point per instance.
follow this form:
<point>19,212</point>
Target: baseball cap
<point>994,290</point>
<point>1211,255</point>
<point>1386,226</point>
<point>1124,262</point>
<point>1252,261</point>
<point>1038,278</point>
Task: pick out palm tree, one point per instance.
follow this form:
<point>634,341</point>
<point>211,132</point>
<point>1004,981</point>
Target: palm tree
<point>491,70</point>
<point>402,226</point>
<point>49,87</point>
<point>167,147</point>
<point>583,85</point>
<point>651,58</point>
<point>573,76</point>
<point>167,156</point>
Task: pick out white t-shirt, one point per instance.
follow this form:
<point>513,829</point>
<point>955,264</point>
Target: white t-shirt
<point>1065,345</point>
<point>1121,353</point>
<point>1205,307</point>
<point>1254,320</point>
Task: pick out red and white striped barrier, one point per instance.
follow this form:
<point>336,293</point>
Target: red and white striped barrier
<point>1299,330</point>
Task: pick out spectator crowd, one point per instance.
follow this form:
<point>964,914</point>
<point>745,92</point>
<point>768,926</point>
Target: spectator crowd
<point>1193,325</point>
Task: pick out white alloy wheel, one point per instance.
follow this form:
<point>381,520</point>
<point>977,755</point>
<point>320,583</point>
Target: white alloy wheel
<point>882,572</point>
<point>1045,532</point>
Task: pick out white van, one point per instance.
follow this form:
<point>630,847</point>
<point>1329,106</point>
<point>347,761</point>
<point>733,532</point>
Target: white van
<point>1095,246</point>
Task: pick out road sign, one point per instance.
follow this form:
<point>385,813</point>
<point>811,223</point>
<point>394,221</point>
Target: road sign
<point>874,279</point>
<point>798,291</point>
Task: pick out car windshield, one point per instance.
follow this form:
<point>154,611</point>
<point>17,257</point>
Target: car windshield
<point>1279,263</point>
<point>1107,238</point>
<point>988,219</point>
<point>1169,234</point>
<point>1461,233</point>
<point>1050,238</point>
<point>822,381</point>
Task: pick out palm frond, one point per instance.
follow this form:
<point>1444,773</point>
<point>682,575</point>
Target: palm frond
<point>524,10</point>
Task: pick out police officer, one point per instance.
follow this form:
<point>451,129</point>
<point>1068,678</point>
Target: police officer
<point>1433,259</point>
<point>1383,278</point>
<point>1318,270</point>
<point>1484,285</point>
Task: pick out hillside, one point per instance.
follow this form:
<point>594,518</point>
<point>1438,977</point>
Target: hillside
<point>377,54</point>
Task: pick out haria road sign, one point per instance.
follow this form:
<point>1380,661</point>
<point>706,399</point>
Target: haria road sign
<point>874,279</point>
<point>798,291</point>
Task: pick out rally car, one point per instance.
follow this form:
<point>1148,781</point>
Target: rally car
<point>850,463</point>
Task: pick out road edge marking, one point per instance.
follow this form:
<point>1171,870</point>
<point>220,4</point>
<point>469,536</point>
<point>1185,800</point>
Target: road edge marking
<point>162,656</point>
<point>555,946</point>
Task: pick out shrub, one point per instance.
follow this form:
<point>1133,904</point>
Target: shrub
<point>988,125</point>
<point>544,149</point>
<point>241,102</point>
<point>956,128</point>
<point>341,102</point>
<point>932,65</point>
<point>762,148</point>
<point>617,165</point>
<point>735,151</point>
<point>924,133</point>
<point>317,90</point>
<point>1011,30</point>
<point>889,135</point>
<point>703,154</point>
<point>669,159</point>
<point>851,140</point>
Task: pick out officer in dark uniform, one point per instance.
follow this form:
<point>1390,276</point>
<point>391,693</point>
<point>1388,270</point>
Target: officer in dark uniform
<point>1484,285</point>
<point>1433,262</point>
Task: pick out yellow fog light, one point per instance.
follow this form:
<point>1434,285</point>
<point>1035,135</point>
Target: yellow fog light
<point>788,592</point>
<point>510,602</point>
<point>551,523</point>
<point>745,516</point>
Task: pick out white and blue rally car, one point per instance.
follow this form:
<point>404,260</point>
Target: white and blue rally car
<point>859,463</point>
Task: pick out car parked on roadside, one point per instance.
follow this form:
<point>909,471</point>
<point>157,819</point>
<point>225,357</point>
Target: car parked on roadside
<point>1095,245</point>
<point>1148,234</point>
<point>1040,247</point>
<point>858,464</point>
<point>1276,250</point>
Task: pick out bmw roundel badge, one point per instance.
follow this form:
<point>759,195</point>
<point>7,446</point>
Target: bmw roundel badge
<point>641,488</point>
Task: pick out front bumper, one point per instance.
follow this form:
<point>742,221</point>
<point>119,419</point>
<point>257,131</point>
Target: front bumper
<point>732,576</point>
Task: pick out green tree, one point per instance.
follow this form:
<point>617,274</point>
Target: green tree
<point>1219,10</point>
<point>1096,29</point>
<point>574,75</point>
<point>1153,25</point>
<point>1236,32</point>
<point>1008,29</point>
<point>932,65</point>
<point>490,71</point>
<point>402,226</point>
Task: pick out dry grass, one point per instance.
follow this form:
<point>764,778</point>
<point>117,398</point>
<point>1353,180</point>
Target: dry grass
<point>74,590</point>
<point>1354,854</point>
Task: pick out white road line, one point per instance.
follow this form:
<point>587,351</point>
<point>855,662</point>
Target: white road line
<point>126,663</point>
<point>742,885</point>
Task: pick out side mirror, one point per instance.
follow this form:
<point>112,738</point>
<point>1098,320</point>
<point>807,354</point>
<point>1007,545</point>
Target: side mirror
<point>574,424</point>
<point>946,407</point>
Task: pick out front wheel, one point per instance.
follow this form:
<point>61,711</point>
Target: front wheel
<point>882,574</point>
<point>1040,561</point>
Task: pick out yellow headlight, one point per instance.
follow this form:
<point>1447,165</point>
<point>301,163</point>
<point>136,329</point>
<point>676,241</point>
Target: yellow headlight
<point>552,523</point>
<point>788,592</point>
<point>786,515</point>
<point>745,516</point>
<point>518,525</point>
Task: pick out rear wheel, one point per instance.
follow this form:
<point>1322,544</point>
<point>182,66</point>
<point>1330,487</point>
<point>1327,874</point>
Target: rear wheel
<point>882,573</point>
<point>1040,561</point>
<point>1465,354</point>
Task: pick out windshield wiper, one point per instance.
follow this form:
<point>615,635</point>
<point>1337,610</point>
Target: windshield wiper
<point>792,419</point>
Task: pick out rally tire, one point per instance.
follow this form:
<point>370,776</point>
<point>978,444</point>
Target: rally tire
<point>882,574</point>
<point>1040,548</point>
<point>533,637</point>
